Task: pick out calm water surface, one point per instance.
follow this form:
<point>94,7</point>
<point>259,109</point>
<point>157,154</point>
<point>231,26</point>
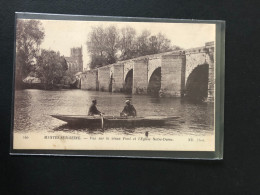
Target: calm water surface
<point>34,107</point>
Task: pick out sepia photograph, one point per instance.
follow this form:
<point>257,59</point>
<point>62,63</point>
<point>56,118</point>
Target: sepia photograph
<point>114,85</point>
<point>129,97</point>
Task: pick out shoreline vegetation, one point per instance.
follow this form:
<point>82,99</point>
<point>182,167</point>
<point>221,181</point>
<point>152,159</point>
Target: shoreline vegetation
<point>48,86</point>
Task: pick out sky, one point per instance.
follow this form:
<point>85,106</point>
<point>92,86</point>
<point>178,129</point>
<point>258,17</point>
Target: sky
<point>61,35</point>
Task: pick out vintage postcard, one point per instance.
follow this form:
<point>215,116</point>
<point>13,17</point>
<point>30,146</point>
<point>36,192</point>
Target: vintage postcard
<point>116,86</point>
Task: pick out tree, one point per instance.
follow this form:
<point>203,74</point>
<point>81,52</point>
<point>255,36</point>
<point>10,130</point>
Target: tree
<point>142,44</point>
<point>108,45</point>
<point>103,45</point>
<point>29,36</point>
<point>96,41</point>
<point>51,67</point>
<point>111,43</point>
<point>159,44</point>
<point>127,43</point>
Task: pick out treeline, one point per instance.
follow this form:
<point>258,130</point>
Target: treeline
<point>108,45</point>
<point>47,65</point>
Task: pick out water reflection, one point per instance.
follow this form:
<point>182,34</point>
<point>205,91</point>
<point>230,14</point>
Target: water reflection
<point>34,107</point>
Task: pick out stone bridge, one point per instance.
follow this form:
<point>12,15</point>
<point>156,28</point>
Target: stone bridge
<point>172,74</point>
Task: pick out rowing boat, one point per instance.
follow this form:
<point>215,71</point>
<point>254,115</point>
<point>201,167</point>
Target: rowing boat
<point>114,121</point>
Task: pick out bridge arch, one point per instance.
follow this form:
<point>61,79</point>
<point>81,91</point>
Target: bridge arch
<point>154,83</point>
<point>153,64</point>
<point>128,84</point>
<point>111,81</point>
<point>196,87</point>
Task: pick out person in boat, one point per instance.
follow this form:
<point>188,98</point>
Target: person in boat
<point>129,109</point>
<point>93,109</point>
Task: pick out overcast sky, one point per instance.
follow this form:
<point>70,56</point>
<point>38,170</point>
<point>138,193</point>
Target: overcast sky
<point>61,35</point>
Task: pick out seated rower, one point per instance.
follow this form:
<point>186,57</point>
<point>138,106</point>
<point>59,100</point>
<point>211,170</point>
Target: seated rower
<point>129,109</point>
<point>93,109</point>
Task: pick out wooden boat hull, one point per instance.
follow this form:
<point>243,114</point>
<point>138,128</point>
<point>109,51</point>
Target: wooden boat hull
<point>112,121</point>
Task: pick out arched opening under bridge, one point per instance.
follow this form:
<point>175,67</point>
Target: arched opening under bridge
<point>129,82</point>
<point>197,83</point>
<point>154,84</point>
<point>110,83</point>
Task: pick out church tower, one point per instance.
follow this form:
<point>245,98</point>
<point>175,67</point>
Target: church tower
<point>76,54</point>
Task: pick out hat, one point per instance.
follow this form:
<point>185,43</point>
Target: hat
<point>127,101</point>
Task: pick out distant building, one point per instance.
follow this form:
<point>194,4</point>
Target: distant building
<point>75,61</point>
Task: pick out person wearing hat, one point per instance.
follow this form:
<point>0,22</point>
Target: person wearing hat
<point>93,109</point>
<point>129,109</point>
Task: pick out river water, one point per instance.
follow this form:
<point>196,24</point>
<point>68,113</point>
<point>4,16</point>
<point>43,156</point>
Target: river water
<point>33,109</point>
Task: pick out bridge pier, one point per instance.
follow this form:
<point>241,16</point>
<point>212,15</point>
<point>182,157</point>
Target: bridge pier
<point>104,78</point>
<point>140,74</point>
<point>173,74</point>
<point>118,78</point>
